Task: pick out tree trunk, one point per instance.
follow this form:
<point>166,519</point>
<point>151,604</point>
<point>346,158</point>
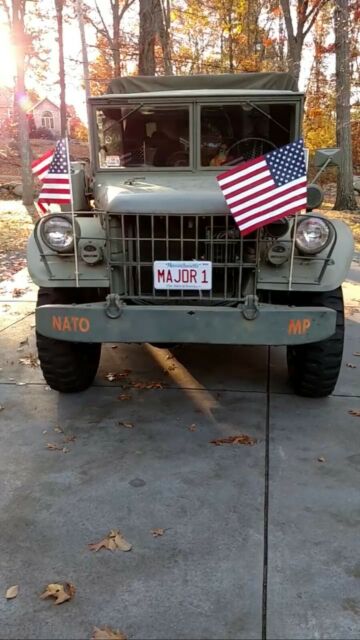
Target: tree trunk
<point>345,196</point>
<point>59,5</point>
<point>116,38</point>
<point>164,20</point>
<point>84,53</point>
<point>147,37</point>
<point>18,39</point>
<point>294,52</point>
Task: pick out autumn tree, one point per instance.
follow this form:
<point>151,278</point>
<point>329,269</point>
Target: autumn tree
<point>107,23</point>
<point>227,36</point>
<point>320,120</point>
<point>154,26</point>
<point>345,197</point>
<point>299,18</point>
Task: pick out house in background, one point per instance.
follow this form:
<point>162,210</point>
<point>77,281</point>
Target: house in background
<point>44,117</point>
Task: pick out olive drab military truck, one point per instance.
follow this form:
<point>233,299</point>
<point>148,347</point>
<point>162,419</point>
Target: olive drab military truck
<point>153,254</point>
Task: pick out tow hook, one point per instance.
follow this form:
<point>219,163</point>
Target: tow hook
<point>114,306</point>
<point>250,308</point>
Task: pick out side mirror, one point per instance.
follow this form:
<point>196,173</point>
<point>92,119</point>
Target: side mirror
<point>328,157</point>
<point>315,196</point>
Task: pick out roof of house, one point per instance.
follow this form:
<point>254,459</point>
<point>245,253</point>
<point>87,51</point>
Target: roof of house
<point>41,101</point>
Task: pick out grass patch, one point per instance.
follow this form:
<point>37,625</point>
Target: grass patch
<point>15,227</point>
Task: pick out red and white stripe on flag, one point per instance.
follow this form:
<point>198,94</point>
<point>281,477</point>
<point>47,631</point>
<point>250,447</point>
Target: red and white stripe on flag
<point>266,188</point>
<point>56,188</point>
<point>41,165</point>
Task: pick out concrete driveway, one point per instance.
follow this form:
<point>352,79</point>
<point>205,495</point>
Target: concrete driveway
<point>259,541</point>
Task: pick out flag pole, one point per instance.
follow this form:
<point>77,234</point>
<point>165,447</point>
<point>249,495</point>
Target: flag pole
<point>293,252</point>
<point>72,213</point>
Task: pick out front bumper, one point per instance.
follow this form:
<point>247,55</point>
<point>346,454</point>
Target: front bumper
<point>273,324</point>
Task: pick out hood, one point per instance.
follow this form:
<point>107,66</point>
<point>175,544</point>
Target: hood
<point>159,193</point>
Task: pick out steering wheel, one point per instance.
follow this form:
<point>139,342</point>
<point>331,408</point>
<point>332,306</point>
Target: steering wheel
<point>249,148</point>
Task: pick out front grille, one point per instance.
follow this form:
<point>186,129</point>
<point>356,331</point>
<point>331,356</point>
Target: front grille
<point>136,241</point>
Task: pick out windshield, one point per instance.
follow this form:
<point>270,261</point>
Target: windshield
<point>146,135</point>
<point>143,136</point>
<point>233,133</point>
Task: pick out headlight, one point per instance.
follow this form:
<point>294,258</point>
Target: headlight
<point>57,233</point>
<point>312,235</point>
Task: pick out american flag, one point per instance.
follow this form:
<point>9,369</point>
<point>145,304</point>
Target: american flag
<point>266,188</point>
<point>40,166</point>
<point>56,187</point>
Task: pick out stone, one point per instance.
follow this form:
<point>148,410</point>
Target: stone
<point>18,190</point>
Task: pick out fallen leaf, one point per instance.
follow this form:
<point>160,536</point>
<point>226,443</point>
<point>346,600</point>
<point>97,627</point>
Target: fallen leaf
<point>58,430</point>
<point>240,439</point>
<point>192,427</point>
<point>22,343</point>
<point>138,385</point>
<point>321,459</point>
<point>157,532</point>
<point>127,425</point>
<point>65,450</point>
<point>12,592</point>
<point>357,353</point>
<point>69,438</point>
<point>120,541</point>
<point>117,376</point>
<point>354,412</point>
<point>147,385</point>
<point>30,360</point>
<point>123,396</point>
<point>61,592</point>
<point>105,633</point>
<point>114,540</point>
<point>350,365</point>
<point>18,292</point>
<point>54,447</point>
<point>114,346</point>
<point>2,407</point>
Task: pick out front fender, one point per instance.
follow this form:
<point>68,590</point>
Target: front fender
<point>306,272</point>
<point>54,270</point>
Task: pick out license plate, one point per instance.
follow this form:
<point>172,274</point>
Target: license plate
<point>179,274</point>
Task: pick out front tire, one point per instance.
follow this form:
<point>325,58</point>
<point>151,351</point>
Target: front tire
<point>67,367</point>
<point>314,368</point>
